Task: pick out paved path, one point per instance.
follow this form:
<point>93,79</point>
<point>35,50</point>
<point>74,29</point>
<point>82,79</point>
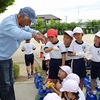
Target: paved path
<point>25,90</point>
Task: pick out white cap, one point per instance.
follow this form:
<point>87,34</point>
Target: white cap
<point>77,30</point>
<point>70,85</point>
<point>52,96</point>
<point>67,69</point>
<point>74,77</point>
<point>98,34</point>
<point>70,33</point>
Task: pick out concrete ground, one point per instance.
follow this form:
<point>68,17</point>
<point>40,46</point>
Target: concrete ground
<point>24,88</point>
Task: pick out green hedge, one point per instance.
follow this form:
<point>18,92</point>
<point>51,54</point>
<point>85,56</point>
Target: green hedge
<point>16,70</point>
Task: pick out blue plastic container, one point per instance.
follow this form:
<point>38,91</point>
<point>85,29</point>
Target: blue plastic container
<point>88,88</point>
<point>48,91</point>
<point>98,93</point>
<point>43,90</point>
<point>38,79</point>
<point>41,84</point>
<point>91,96</point>
<point>86,81</point>
<point>41,98</point>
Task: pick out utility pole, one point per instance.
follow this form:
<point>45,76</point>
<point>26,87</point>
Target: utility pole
<point>66,19</point>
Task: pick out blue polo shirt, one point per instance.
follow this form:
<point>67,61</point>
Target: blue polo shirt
<point>11,36</point>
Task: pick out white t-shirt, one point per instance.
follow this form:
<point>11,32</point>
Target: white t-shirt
<point>28,48</point>
<point>81,95</point>
<point>76,47</point>
<point>46,55</point>
<point>67,57</point>
<point>95,51</point>
<point>56,54</point>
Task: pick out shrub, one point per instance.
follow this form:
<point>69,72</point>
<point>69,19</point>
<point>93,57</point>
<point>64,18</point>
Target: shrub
<point>16,70</point>
<point>38,69</point>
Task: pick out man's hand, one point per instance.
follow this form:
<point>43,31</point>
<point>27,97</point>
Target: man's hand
<point>38,37</point>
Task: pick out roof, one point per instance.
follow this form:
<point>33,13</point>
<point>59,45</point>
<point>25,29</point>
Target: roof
<point>48,17</point>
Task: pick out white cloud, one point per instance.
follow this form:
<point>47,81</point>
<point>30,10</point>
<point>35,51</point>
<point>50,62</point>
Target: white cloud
<point>73,9</point>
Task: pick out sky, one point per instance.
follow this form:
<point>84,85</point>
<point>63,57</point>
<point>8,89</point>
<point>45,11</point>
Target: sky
<point>67,10</point>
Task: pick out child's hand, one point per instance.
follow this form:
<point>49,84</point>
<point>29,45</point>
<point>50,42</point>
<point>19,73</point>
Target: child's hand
<point>55,48</point>
<point>80,54</point>
<point>58,86</point>
<point>88,55</point>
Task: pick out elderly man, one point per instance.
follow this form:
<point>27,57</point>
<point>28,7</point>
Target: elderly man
<point>14,29</point>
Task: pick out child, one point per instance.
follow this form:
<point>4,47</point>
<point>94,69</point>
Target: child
<point>77,50</point>
<point>52,96</point>
<point>63,72</point>
<point>95,64</point>
<point>57,52</point>
<point>67,38</point>
<point>28,48</point>
<point>70,88</point>
<point>45,57</point>
<point>77,79</point>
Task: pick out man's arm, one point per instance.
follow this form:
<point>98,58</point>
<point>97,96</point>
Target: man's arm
<point>35,34</point>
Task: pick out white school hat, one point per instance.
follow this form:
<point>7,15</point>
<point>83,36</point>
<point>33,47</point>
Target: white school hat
<point>70,85</point>
<point>74,77</point>
<point>98,34</point>
<point>52,96</point>
<point>77,30</point>
<point>70,33</point>
<point>66,69</point>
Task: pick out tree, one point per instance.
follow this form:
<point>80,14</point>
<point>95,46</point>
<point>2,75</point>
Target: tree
<point>93,25</point>
<point>71,26</point>
<point>41,26</point>
<point>61,27</point>
<point>4,4</point>
<point>57,25</point>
